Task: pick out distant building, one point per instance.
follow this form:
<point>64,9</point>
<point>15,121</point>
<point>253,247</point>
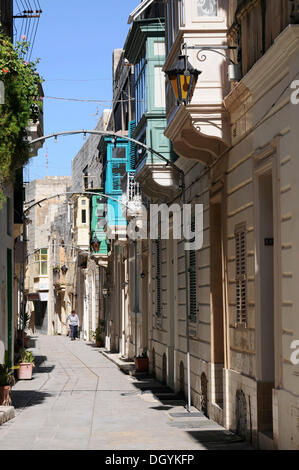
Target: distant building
<point>38,232</point>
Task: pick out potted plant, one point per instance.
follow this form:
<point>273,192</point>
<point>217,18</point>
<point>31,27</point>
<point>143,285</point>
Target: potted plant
<point>142,362</point>
<point>98,334</point>
<point>7,380</point>
<point>26,364</point>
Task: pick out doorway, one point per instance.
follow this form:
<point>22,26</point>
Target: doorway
<point>266,356</point>
<point>41,317</point>
<point>216,278</point>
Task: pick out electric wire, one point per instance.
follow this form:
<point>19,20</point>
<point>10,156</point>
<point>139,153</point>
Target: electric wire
<point>90,101</point>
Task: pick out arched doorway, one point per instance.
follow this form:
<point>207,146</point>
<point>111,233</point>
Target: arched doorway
<point>182,379</point>
<point>164,369</point>
<point>241,414</point>
<point>153,362</point>
<point>204,394</point>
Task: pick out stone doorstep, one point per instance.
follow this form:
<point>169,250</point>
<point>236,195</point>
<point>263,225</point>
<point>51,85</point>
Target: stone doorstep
<point>6,413</point>
<point>115,358</point>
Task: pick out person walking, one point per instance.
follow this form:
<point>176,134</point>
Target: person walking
<point>74,324</point>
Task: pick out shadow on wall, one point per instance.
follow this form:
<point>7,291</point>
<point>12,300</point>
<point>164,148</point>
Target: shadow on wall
<point>2,352</point>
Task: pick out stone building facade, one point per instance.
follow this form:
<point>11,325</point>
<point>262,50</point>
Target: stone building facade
<point>51,191</point>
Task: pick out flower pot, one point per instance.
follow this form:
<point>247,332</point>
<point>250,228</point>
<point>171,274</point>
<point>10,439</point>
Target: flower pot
<point>141,364</point>
<point>25,371</point>
<point>99,344</point>
<point>5,399</point>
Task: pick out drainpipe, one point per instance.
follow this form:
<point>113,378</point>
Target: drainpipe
<point>188,406</point>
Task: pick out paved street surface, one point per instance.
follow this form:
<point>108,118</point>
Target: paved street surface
<point>78,399</point>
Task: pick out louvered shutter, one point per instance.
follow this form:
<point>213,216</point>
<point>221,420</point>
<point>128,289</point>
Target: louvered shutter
<point>158,278</point>
<point>192,281</point>
<point>132,146</point>
<point>241,274</point>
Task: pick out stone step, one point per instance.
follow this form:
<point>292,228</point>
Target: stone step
<point>6,413</point>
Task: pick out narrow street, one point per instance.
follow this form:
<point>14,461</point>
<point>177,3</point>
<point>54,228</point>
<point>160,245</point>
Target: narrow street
<point>78,399</point>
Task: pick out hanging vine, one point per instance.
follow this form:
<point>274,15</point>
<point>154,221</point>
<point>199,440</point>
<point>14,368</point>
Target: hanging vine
<point>21,107</point>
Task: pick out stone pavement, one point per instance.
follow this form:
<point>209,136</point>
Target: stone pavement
<point>78,399</point>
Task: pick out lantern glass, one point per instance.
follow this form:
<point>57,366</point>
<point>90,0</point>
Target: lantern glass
<point>183,78</point>
<point>185,84</point>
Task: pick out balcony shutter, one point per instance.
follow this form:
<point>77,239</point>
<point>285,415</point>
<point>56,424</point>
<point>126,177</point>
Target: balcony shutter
<point>132,147</point>
<point>158,277</point>
<point>241,274</point>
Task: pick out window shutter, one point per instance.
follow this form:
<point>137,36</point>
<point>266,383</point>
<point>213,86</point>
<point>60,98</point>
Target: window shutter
<point>241,274</point>
<point>132,146</point>
<point>192,281</point>
<point>158,277</point>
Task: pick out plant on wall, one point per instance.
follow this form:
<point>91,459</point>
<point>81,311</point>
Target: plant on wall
<point>22,105</point>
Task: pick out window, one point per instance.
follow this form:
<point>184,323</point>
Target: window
<point>192,281</point>
<point>85,177</point>
<point>158,278</point>
<point>118,171</point>
<point>141,87</point>
<point>173,12</point>
<point>241,274</point>
<point>159,88</point>
<point>119,152</point>
<point>83,216</point>
<point>207,7</point>
<point>41,262</point>
<point>182,13</point>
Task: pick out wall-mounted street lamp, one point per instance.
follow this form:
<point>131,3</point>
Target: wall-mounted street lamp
<point>64,269</point>
<point>183,78</point>
<point>95,244</point>
<point>105,291</point>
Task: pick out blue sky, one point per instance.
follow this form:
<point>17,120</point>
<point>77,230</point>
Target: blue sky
<point>75,41</point>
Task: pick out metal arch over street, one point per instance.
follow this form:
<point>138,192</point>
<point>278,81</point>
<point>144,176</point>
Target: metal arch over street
<point>74,193</point>
<point>115,135</point>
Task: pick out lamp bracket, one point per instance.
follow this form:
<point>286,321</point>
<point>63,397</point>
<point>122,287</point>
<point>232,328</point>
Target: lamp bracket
<point>216,49</point>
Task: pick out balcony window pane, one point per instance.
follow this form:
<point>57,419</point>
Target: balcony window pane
<point>119,152</point>
<point>44,268</point>
<point>207,7</point>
